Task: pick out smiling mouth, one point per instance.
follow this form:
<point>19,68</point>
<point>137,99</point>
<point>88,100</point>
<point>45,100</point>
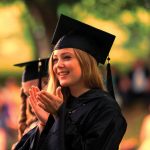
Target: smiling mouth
<point>64,73</point>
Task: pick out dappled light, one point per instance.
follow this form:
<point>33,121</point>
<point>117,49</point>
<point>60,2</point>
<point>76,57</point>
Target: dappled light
<point>15,47</point>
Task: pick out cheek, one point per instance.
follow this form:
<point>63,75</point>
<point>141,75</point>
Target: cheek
<point>79,73</point>
<point>54,70</point>
<point>77,70</point>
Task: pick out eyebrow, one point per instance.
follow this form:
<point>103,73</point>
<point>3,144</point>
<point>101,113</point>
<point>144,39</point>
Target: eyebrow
<point>64,53</point>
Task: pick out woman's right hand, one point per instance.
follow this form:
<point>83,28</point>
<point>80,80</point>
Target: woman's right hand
<point>41,114</point>
<point>50,102</point>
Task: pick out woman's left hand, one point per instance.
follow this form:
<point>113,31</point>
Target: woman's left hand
<point>50,102</point>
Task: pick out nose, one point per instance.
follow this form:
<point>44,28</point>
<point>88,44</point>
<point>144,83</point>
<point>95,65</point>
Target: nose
<point>60,64</point>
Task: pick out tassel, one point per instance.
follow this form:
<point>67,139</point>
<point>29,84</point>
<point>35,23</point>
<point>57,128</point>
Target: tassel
<point>109,80</point>
<point>40,76</point>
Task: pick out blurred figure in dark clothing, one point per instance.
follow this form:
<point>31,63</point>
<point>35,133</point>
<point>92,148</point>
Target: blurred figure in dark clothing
<point>3,121</point>
<point>124,88</point>
<point>148,92</point>
<point>139,77</point>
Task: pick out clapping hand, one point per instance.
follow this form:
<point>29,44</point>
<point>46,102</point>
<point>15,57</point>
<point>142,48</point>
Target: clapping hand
<point>50,102</point>
<point>41,114</point>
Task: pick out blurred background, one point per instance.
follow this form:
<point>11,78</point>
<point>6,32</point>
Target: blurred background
<point>26,28</point>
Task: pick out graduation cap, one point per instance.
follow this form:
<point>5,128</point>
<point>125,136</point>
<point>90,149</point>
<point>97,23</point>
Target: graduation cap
<point>34,70</point>
<point>71,33</point>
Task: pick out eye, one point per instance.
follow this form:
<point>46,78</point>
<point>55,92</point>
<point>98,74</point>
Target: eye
<point>55,60</point>
<point>67,57</point>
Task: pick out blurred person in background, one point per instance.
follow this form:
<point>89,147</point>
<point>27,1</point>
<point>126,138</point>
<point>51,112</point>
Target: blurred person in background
<point>35,74</point>
<point>148,92</point>
<point>3,139</point>
<point>4,112</point>
<point>9,108</point>
<point>4,116</point>
<point>124,89</point>
<point>139,76</point>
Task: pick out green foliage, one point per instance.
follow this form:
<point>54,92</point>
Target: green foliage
<point>103,8</point>
<point>106,9</point>
<point>29,25</point>
<point>138,34</point>
<point>6,2</point>
<point>27,21</point>
<point>65,9</point>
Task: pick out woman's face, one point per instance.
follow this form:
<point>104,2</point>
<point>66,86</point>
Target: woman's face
<point>27,85</point>
<point>66,67</point>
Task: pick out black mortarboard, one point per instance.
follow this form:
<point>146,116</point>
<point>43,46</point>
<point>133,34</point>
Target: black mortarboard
<point>34,70</point>
<point>72,33</point>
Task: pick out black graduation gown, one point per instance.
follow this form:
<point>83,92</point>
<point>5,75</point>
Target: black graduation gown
<point>32,139</point>
<point>92,121</point>
<point>26,142</point>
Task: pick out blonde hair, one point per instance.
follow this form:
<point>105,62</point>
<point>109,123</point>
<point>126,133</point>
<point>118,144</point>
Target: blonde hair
<point>53,82</point>
<point>91,74</point>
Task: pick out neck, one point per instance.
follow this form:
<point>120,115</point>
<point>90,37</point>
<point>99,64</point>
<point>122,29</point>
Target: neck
<point>77,91</point>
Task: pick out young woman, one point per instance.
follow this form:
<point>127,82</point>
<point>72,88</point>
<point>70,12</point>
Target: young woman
<point>30,77</point>
<point>83,116</point>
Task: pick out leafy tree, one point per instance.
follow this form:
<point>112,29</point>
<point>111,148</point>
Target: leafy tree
<point>47,11</point>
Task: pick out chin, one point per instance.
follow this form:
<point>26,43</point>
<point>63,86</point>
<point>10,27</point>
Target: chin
<point>64,84</point>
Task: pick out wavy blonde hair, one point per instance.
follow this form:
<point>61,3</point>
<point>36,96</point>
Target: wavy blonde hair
<point>91,74</point>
